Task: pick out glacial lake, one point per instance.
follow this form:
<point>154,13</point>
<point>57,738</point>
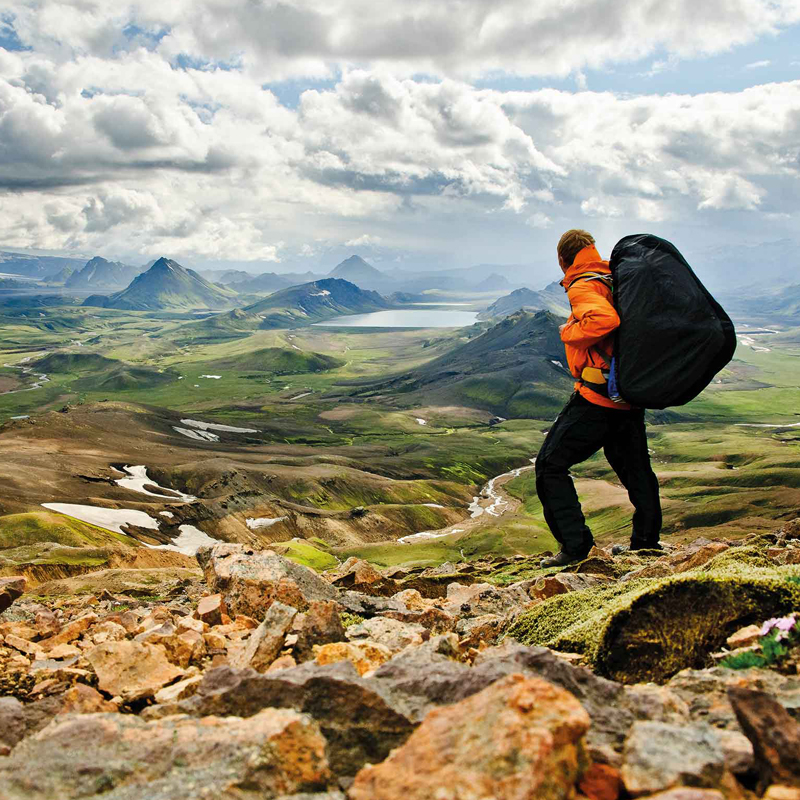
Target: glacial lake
<point>435,317</point>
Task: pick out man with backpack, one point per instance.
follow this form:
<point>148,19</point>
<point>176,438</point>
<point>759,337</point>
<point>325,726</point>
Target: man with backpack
<point>592,419</point>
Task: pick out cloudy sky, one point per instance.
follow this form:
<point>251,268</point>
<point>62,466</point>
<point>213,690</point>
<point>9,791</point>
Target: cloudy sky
<point>418,133</point>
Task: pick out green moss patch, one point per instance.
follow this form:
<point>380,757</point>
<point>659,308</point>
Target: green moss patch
<point>647,630</point>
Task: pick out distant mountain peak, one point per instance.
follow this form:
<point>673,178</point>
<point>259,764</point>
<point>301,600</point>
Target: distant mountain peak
<point>168,285</point>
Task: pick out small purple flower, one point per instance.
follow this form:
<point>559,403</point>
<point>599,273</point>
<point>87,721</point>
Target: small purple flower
<point>769,625</point>
<point>785,623</point>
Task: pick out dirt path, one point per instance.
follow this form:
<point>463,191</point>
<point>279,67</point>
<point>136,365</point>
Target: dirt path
<point>490,504</point>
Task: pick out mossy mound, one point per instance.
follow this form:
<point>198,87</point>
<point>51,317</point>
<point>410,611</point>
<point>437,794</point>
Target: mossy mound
<point>648,630</point>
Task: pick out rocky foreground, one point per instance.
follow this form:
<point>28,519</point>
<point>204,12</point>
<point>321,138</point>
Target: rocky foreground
<point>488,680</point>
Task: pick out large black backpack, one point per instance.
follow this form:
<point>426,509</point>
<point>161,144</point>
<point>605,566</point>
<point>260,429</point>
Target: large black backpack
<point>674,337</point>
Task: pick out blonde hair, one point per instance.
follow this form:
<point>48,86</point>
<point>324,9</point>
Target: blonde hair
<point>572,242</point>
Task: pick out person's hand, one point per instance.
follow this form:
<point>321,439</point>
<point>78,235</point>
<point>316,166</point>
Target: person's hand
<point>561,328</point>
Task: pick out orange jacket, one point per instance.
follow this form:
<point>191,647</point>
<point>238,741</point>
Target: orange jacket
<point>591,324</point>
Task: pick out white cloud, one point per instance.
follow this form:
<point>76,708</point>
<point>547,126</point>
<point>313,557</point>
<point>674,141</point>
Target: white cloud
<point>108,144</point>
<point>539,220</point>
<point>308,37</point>
<point>758,64</point>
<point>595,207</point>
<point>364,241</point>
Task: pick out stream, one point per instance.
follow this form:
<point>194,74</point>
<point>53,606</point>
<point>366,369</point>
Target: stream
<point>491,502</point>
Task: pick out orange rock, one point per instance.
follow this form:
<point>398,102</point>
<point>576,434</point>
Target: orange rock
<point>518,739</point>
<point>82,699</point>
<point>365,656</point>
<point>210,609</point>
<point>777,792</point>
<point>70,632</point>
<point>131,670</point>
<point>23,645</point>
<point>744,637</point>
<point>601,782</point>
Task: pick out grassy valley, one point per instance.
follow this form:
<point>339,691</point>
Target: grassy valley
<point>335,419</point>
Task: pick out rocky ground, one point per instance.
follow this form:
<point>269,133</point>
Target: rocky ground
<point>487,680</point>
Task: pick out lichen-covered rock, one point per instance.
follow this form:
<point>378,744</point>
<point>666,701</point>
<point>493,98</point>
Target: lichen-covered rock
<point>478,599</point>
<point>612,706</point>
<point>359,718</point>
<point>705,692</point>
<point>251,580</point>
<point>276,752</point>
<point>659,756</point>
<point>266,641</point>
<point>519,739</point>
<point>18,721</point>
<point>321,624</point>
<point>390,633</point>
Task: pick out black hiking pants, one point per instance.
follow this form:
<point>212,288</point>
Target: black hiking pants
<point>579,431</point>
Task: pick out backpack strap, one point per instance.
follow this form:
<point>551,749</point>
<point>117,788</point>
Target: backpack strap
<point>593,276</point>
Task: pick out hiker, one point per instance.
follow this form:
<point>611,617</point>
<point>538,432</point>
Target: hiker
<point>591,420</point>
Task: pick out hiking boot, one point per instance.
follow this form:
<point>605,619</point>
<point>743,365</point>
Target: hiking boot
<point>560,559</point>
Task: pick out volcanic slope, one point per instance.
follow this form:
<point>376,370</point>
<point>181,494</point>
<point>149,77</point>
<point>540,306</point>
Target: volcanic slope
<point>290,308</point>
<point>515,369</point>
<point>358,271</point>
<point>168,286</point>
<point>98,273</point>
<point>551,298</point>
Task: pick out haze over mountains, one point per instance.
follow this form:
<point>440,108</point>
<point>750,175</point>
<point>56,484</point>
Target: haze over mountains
<point>99,273</point>
<point>292,307</point>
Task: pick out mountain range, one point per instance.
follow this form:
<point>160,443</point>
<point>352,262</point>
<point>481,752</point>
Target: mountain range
<point>98,273</point>
<point>35,266</point>
<point>551,298</point>
<point>167,286</point>
<point>292,307</point>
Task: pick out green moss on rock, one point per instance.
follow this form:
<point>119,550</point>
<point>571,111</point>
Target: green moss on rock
<point>648,630</point>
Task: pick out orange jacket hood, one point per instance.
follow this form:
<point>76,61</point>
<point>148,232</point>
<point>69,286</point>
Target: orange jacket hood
<point>587,260</point>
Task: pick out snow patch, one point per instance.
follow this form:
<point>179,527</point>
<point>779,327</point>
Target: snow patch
<point>112,519</point>
<point>213,426</point>
<point>137,478</point>
<point>323,293</point>
<point>422,421</point>
<point>200,436</point>
<point>767,425</point>
<point>189,541</point>
<point>432,505</point>
<point>297,397</point>
<point>213,377</point>
<point>167,514</point>
<point>254,523</point>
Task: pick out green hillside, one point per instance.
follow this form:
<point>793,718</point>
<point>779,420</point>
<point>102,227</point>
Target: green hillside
<point>515,369</point>
<point>168,286</point>
<point>292,307</point>
<point>277,360</point>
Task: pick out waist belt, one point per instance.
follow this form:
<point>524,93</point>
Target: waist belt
<point>594,375</point>
<point>597,380</point>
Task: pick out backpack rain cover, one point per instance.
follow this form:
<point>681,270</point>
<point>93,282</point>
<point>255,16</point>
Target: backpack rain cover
<point>674,337</point>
